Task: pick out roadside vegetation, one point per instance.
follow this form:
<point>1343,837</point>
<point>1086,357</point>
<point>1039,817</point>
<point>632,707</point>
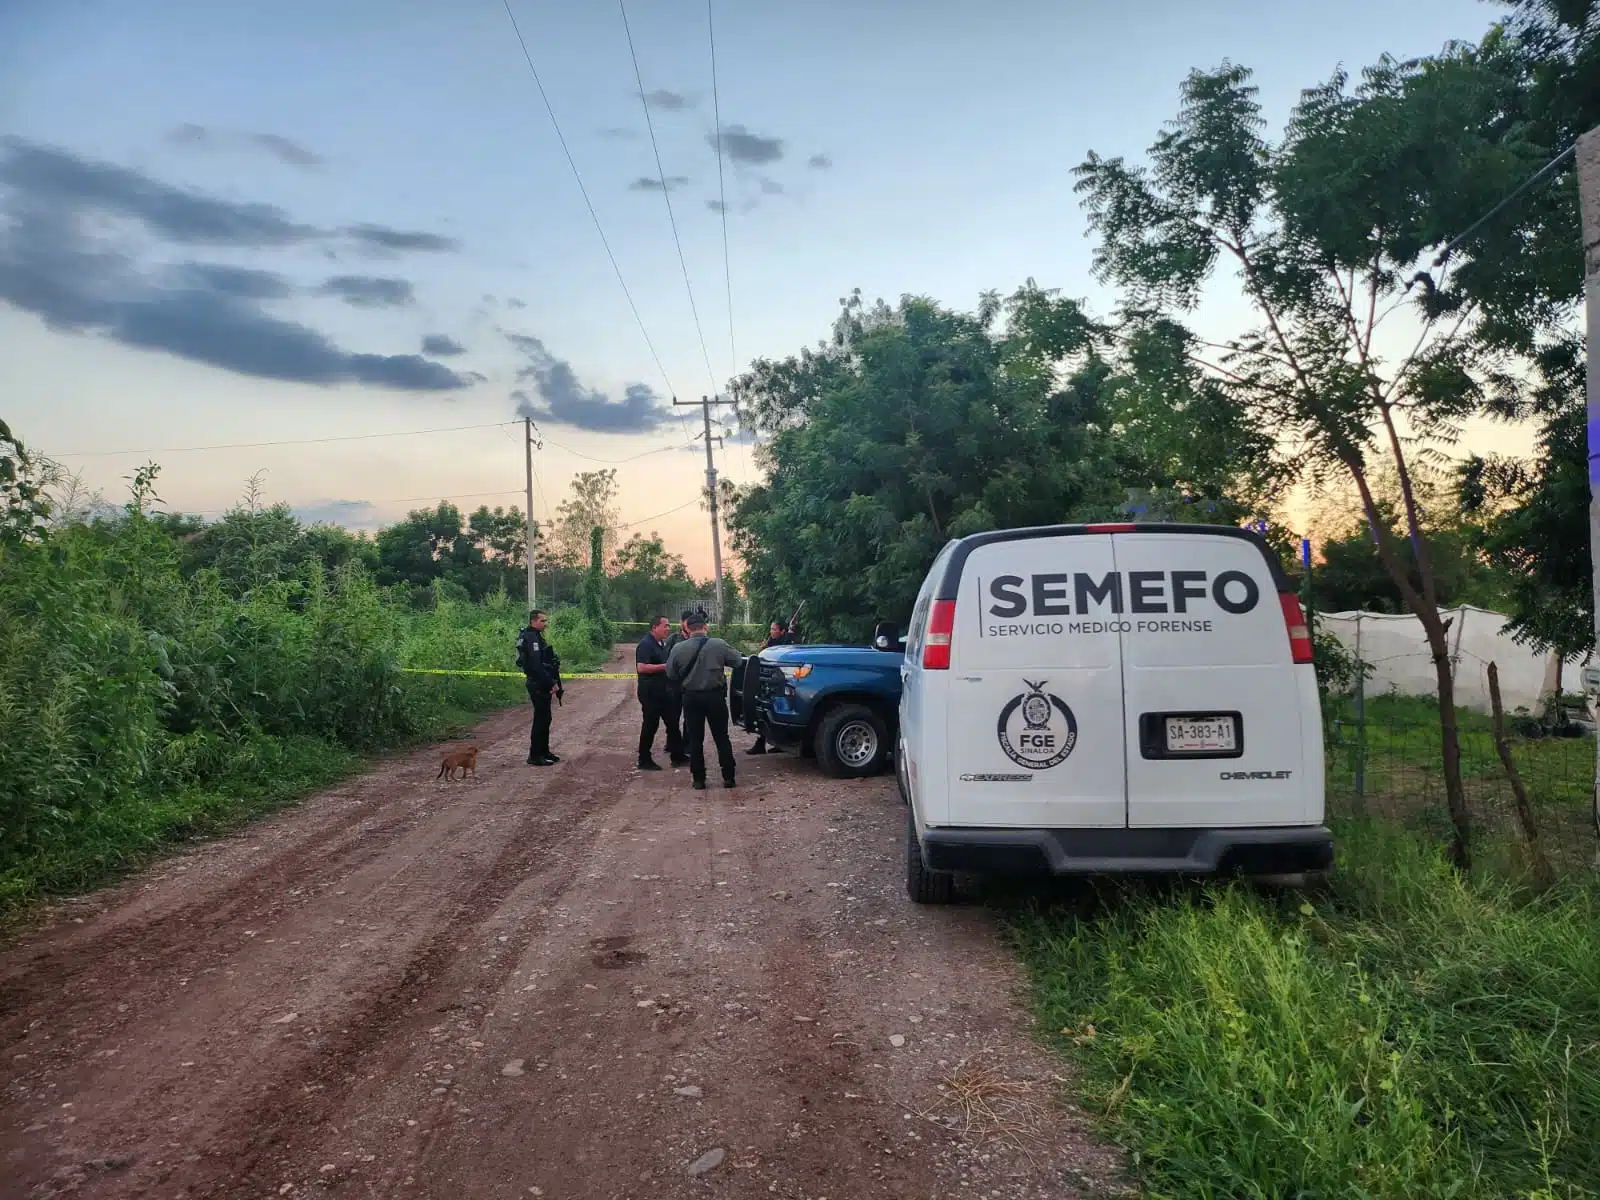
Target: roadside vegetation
<point>1408,1032</point>
<point>163,679</point>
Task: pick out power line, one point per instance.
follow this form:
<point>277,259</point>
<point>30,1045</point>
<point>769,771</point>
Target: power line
<point>593,215</point>
<point>722,188</point>
<point>722,208</point>
<point>352,437</point>
<point>615,462</point>
<point>1543,172</point>
<point>666,193</point>
<point>659,515</point>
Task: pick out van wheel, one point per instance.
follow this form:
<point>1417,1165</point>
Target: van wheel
<point>900,776</point>
<point>852,742</point>
<point>922,885</point>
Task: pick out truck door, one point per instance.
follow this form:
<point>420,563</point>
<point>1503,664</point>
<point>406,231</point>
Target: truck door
<point>1033,715</point>
<point>1212,694</point>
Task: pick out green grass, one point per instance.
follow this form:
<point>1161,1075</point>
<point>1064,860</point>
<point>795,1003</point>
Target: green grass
<point>201,785</point>
<point>1403,1033</point>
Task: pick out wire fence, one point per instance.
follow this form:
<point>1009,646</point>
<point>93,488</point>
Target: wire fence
<point>1385,761</point>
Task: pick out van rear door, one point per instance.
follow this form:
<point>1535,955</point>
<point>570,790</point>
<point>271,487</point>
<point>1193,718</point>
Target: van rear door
<point>1033,708</point>
<point>1212,694</point>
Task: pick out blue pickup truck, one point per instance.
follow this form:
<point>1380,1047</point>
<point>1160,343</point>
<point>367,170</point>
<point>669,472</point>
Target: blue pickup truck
<point>838,703</point>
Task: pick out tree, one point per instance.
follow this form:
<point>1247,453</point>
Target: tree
<point>592,503</point>
<point>913,425</point>
<point>1533,525</point>
<point>24,507</point>
<point>425,546</point>
<point>648,579</point>
<point>1328,230</point>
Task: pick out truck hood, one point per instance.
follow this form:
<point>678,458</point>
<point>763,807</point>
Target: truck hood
<point>842,656</point>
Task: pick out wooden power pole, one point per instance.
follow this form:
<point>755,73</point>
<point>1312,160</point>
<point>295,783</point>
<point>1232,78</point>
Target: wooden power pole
<point>705,403</point>
<point>530,433</point>
<point>1588,164</point>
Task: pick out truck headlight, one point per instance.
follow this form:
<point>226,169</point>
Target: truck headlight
<point>798,671</point>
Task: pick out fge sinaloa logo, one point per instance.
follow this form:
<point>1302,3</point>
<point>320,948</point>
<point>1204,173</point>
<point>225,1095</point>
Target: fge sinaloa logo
<point>1037,729</point>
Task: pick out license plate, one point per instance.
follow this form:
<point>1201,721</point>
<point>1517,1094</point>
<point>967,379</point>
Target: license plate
<point>1190,734</point>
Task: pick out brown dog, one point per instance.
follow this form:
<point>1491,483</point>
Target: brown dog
<point>466,759</point>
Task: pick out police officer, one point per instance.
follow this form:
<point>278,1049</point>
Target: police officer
<point>777,635</point>
<point>654,698</point>
<point>673,714</point>
<point>542,667</point>
<point>698,665</point>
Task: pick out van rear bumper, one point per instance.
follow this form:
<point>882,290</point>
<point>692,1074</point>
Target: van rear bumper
<point>1260,851</point>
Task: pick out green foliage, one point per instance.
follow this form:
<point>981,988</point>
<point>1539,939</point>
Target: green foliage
<point>1413,1034</point>
<point>917,424</point>
<point>22,504</point>
<point>1532,523</point>
<point>1336,666</point>
<point>161,679</point>
<point>1352,576</point>
<point>592,598</point>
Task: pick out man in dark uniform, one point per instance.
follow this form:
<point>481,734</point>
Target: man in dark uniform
<point>777,636</point>
<point>654,702</point>
<point>672,715</point>
<point>542,667</point>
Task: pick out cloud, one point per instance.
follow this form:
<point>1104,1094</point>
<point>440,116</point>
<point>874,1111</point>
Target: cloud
<point>442,345</point>
<point>286,151</point>
<point>244,282</point>
<point>292,153</point>
<point>359,514</point>
<point>381,237</point>
<point>60,262</point>
<point>558,396</point>
<point>513,302</point>
<point>819,162</point>
<point>620,133</point>
<point>746,148</point>
<point>647,184</point>
<point>47,175</point>
<point>668,100</point>
<point>369,291</point>
<point>716,206</point>
<point>771,187</point>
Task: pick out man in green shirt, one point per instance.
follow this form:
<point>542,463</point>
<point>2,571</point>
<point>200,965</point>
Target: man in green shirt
<point>698,666</point>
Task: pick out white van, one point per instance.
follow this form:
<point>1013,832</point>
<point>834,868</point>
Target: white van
<point>1116,697</point>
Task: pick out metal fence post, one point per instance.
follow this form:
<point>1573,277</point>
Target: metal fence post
<point>1361,735</point>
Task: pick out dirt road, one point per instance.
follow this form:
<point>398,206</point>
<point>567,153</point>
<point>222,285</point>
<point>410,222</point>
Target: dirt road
<point>580,981</point>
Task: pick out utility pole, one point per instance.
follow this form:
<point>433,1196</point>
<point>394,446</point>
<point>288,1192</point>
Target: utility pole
<point>1588,164</point>
<point>705,403</point>
<point>530,432</point>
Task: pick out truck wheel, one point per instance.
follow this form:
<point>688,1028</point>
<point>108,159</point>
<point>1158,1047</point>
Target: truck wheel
<point>852,742</point>
<point>922,885</point>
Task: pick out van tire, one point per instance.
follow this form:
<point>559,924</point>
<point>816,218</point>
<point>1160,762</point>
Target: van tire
<point>922,885</point>
<point>902,782</point>
<point>852,742</point>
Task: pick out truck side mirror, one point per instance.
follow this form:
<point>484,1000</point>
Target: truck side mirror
<point>887,637</point>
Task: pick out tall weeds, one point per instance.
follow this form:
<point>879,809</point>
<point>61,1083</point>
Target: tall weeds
<point>140,703</point>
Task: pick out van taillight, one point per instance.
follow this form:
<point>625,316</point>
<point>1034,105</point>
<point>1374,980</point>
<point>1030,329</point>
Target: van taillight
<point>1111,527</point>
<point>936,647</point>
<point>1294,619</point>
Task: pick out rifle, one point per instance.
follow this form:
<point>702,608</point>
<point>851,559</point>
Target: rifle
<point>795,616</point>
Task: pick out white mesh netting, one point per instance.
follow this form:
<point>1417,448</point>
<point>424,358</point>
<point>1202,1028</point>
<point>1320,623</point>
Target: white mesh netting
<point>1397,650</point>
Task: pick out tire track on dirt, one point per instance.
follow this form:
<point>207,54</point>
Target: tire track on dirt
<point>179,937</point>
<point>264,1134</point>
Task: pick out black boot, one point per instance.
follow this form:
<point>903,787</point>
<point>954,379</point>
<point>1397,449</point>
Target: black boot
<point>759,748</point>
<point>649,764</point>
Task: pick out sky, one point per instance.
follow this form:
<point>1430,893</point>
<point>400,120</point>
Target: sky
<point>244,223</point>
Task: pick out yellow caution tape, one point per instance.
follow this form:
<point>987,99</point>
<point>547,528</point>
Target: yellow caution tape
<point>512,674</point>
